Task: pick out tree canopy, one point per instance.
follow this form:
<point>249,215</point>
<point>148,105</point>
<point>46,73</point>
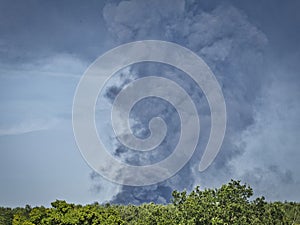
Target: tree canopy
<point>229,204</point>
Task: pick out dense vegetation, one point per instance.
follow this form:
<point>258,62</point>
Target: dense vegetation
<point>229,204</point>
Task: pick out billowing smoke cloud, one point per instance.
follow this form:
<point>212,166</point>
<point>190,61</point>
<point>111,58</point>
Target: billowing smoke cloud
<point>271,143</point>
<point>234,50</point>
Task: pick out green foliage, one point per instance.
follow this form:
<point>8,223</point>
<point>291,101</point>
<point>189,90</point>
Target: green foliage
<point>6,216</point>
<point>229,204</point>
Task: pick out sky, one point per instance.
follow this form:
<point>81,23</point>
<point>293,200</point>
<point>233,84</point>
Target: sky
<point>252,47</point>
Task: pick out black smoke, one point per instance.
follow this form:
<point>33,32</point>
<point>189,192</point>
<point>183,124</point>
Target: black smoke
<point>233,48</point>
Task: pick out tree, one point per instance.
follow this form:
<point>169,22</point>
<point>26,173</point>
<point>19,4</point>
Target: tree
<point>229,204</point>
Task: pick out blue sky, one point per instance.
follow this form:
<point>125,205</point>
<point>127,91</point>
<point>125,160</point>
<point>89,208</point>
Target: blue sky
<point>45,47</point>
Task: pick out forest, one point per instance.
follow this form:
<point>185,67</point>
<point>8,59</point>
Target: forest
<point>232,203</point>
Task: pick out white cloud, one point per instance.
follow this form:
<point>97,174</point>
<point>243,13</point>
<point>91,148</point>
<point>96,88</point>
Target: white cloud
<point>28,127</point>
<point>57,65</point>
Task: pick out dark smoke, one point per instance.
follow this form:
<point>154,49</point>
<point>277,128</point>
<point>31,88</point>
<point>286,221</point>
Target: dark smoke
<point>230,45</point>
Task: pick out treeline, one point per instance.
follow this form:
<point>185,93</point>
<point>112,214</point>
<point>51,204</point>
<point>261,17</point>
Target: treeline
<point>229,204</point>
